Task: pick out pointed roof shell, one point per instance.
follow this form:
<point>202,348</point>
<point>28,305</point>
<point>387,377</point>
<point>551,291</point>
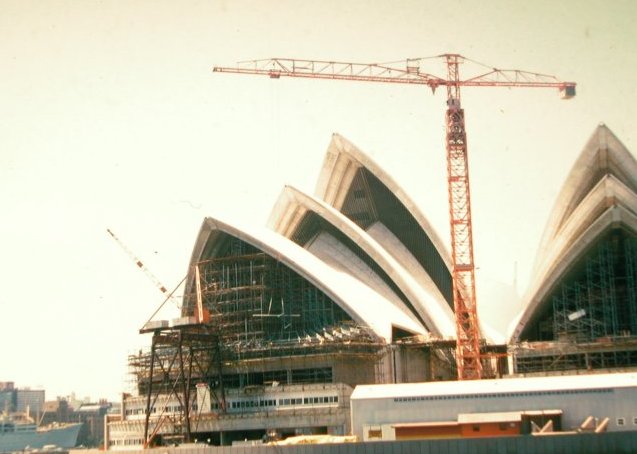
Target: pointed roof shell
<point>341,171</point>
<point>599,194</point>
<point>603,154</point>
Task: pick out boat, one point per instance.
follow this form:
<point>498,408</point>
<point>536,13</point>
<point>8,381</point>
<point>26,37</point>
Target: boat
<point>19,432</point>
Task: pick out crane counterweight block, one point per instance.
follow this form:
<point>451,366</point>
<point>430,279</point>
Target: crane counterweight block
<point>567,91</point>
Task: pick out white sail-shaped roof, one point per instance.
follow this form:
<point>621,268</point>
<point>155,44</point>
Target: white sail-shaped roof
<point>603,155</point>
<point>600,193</point>
<point>415,294</point>
<point>362,303</point>
<point>341,161</point>
<point>356,186</point>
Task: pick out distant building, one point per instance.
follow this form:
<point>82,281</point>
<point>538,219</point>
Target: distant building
<point>93,416</point>
<point>8,397</point>
<point>31,400</point>
<point>21,400</point>
<point>56,411</point>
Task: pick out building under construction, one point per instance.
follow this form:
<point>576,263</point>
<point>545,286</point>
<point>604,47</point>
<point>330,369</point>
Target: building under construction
<point>278,328</point>
<point>580,312</point>
<point>353,286</point>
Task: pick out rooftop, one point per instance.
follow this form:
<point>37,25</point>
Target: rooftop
<point>507,385</point>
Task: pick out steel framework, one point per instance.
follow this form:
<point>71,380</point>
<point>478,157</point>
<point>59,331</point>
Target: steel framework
<point>592,318</point>
<point>180,357</point>
<point>468,356</point>
<point>601,300</point>
<point>255,300</point>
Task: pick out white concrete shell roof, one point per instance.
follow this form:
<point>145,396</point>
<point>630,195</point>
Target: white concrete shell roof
<point>599,194</point>
<point>425,302</point>
<point>364,305</point>
<point>603,154</point>
<point>341,162</point>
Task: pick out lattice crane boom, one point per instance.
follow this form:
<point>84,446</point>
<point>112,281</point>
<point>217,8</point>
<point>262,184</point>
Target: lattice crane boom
<point>144,268</point>
<point>408,72</point>
<point>468,358</point>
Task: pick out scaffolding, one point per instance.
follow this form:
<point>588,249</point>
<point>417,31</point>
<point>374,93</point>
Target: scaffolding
<point>555,357</point>
<point>630,314</point>
<point>256,301</point>
<point>592,319</point>
<point>180,358</point>
<point>264,324</point>
<point>267,324</point>
<point>601,299</point>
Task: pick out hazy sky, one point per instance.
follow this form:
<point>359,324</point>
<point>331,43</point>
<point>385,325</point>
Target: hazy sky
<point>112,118</point>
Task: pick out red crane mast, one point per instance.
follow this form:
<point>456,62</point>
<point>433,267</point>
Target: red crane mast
<point>468,357</point>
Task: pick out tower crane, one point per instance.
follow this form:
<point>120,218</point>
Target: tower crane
<point>468,357</point>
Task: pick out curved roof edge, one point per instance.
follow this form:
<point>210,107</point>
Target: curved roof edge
<point>337,172</point>
<point>602,154</point>
<point>294,205</point>
<point>423,294</point>
<point>614,216</point>
<point>609,191</point>
<point>355,298</point>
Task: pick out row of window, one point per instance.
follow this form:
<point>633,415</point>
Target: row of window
<point>622,421</point>
<point>239,404</point>
<point>17,428</point>
<point>285,376</point>
<point>500,395</point>
<point>126,442</point>
<point>311,400</point>
<point>285,402</point>
<point>168,409</point>
<point>248,403</point>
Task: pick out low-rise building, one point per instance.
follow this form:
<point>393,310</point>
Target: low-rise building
<point>510,406</point>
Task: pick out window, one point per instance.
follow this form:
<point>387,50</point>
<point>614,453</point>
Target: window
<point>635,420</point>
<point>621,421</point>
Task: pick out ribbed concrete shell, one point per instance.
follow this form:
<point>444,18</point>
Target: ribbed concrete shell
<point>355,185</point>
<point>603,155</point>
<point>364,305</point>
<point>600,194</point>
<point>337,240</point>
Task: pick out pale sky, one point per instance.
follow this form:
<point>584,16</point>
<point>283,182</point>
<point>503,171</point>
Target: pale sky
<point>112,118</point>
